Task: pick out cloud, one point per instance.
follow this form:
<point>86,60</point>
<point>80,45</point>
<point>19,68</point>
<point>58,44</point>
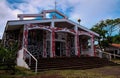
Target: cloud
<point>89,11</point>
<point>33,6</point>
<point>92,11</point>
<point>6,14</point>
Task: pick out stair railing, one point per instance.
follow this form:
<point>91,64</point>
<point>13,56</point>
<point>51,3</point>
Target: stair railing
<point>33,58</point>
<point>109,54</point>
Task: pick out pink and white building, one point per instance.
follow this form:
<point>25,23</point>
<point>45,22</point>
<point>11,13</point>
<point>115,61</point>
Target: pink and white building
<point>50,34</point>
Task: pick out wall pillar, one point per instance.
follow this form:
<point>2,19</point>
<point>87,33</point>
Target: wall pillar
<point>25,36</point>
<point>25,40</point>
<point>44,44</point>
<point>92,47</point>
<point>78,45</point>
<point>67,46</point>
<point>52,42</point>
<point>77,48</point>
<point>75,42</point>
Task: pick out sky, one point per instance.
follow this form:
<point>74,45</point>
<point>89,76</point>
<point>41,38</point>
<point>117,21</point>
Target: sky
<point>89,11</point>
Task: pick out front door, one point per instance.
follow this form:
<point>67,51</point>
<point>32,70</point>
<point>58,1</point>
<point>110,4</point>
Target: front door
<point>57,48</point>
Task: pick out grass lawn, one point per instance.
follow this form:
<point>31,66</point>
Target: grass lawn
<point>116,61</point>
<point>104,72</point>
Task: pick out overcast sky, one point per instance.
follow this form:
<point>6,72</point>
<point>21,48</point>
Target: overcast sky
<point>89,11</point>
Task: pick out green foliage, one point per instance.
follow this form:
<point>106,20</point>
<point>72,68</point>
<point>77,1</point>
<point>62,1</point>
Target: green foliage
<point>8,57</point>
<point>109,31</point>
<point>76,73</point>
<point>116,39</point>
<point>23,71</point>
<point>20,72</point>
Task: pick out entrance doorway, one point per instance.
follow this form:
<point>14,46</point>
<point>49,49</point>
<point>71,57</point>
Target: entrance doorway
<point>35,42</point>
<point>60,49</point>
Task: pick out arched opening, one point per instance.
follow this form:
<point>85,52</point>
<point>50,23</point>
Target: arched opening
<point>39,42</point>
<point>85,45</point>
<point>64,44</point>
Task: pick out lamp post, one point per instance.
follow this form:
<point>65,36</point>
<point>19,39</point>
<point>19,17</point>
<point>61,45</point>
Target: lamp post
<point>79,20</point>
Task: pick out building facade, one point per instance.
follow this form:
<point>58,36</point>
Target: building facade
<point>50,34</point>
<point>114,49</point>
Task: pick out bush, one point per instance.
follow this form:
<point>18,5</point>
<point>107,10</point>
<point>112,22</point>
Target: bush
<point>8,57</point>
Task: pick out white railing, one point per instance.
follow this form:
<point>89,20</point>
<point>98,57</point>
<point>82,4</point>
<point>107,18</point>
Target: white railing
<point>30,59</point>
<point>109,54</point>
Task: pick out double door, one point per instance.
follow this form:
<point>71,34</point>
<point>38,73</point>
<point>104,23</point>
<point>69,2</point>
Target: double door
<point>60,48</point>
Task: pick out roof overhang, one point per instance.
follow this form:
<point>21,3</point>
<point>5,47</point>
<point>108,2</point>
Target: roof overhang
<point>22,22</point>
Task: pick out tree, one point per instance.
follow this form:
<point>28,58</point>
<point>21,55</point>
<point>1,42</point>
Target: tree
<point>116,39</point>
<point>107,29</point>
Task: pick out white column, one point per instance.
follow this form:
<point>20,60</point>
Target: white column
<point>114,54</point>
<point>52,23</point>
<point>21,17</point>
<point>76,47</point>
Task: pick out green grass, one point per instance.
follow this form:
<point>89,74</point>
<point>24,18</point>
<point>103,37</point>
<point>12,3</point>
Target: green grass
<point>19,72</point>
<point>104,72</point>
<point>76,74</point>
<point>89,73</point>
<point>116,61</point>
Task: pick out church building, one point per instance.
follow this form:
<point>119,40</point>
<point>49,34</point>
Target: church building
<point>50,34</point>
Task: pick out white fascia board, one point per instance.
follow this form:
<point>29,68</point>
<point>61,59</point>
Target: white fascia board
<point>22,22</point>
<point>30,15</point>
<point>4,31</point>
<point>82,27</point>
<point>59,20</point>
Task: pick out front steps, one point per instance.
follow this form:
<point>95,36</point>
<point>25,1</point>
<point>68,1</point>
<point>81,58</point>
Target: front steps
<point>70,63</point>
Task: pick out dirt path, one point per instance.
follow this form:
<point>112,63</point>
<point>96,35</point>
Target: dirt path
<point>115,70</point>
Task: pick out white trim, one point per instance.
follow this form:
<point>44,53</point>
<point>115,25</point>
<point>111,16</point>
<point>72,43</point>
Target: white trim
<point>40,29</point>
<point>82,27</point>
<point>84,33</point>
<point>29,15</point>
<point>21,22</point>
<point>66,31</point>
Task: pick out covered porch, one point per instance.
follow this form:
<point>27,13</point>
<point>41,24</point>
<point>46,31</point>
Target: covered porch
<point>43,41</point>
